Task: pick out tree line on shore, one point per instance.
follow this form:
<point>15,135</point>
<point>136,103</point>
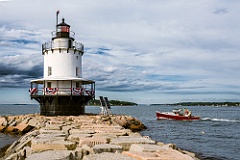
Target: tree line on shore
<point>96,102</point>
<point>203,104</point>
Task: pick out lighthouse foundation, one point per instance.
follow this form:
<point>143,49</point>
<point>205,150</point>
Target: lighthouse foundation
<point>62,105</point>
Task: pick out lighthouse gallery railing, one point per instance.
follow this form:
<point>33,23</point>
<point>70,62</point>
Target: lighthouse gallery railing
<point>51,45</point>
<point>62,91</point>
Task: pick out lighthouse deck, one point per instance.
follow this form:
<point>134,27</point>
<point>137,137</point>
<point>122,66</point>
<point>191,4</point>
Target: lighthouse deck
<point>62,87</point>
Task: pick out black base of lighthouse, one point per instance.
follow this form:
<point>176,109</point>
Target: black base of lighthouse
<point>62,105</point>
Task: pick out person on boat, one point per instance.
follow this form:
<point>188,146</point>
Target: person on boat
<point>181,112</point>
<point>187,113</point>
<point>178,112</point>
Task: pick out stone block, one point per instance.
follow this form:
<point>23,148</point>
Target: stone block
<point>53,126</point>
<point>33,122</point>
<point>127,141</point>
<point>77,137</point>
<point>13,156</point>
<point>23,128</point>
<point>11,147</point>
<point>52,122</point>
<point>11,119</point>
<point>91,126</point>
<point>108,136</point>
<point>39,145</point>
<point>118,132</point>
<point>170,154</point>
<point>134,134</point>
<point>107,155</point>
<point>10,129</point>
<point>80,152</point>
<point>92,141</point>
<point>67,128</point>
<point>145,148</point>
<point>49,131</point>
<point>2,128</point>
<point>52,155</point>
<point>107,148</point>
<point>25,120</point>
<point>29,135</point>
<point>3,121</point>
<point>50,137</point>
<point>23,144</point>
<point>143,155</point>
<point>81,131</point>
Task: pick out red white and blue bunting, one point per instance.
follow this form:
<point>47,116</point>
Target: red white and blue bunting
<point>77,90</point>
<point>33,91</point>
<point>51,90</point>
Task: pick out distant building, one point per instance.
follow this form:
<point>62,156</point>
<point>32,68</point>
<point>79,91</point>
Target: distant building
<point>62,90</point>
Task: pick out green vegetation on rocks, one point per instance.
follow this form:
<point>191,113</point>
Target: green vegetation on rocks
<point>112,103</point>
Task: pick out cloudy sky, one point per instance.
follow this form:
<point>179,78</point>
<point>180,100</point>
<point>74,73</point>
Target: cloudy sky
<point>145,51</point>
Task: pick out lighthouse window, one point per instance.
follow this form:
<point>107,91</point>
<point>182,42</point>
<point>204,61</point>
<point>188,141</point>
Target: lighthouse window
<point>49,71</point>
<point>49,84</point>
<point>77,85</point>
<point>65,29</point>
<point>77,71</point>
<point>77,57</point>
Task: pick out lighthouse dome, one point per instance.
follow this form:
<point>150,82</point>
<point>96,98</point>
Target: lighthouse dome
<point>63,23</point>
<point>63,30</point>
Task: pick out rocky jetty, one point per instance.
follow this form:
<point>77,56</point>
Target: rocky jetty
<point>87,137</point>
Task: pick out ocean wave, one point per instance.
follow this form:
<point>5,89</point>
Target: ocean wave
<point>220,120</point>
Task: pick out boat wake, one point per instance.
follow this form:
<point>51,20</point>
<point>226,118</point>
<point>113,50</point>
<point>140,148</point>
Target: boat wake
<point>220,120</point>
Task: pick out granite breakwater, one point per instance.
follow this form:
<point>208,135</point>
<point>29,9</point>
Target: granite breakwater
<point>87,137</point>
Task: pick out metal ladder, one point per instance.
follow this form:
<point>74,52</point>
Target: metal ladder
<point>105,106</point>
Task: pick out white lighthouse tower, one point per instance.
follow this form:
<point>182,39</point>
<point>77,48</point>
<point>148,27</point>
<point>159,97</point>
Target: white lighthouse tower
<point>62,90</point>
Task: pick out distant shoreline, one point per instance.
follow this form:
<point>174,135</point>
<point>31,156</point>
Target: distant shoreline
<point>226,104</point>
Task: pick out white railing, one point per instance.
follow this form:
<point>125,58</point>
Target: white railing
<point>51,45</point>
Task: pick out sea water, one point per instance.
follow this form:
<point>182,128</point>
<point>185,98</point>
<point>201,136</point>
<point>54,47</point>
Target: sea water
<point>214,137</point>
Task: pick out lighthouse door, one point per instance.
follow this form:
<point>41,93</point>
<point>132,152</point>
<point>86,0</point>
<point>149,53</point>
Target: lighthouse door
<point>69,43</point>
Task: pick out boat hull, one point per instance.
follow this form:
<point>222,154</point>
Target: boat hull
<point>169,115</point>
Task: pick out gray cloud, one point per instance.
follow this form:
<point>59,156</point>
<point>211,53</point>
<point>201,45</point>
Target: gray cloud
<point>220,11</point>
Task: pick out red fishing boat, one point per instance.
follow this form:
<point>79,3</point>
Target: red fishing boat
<point>180,114</point>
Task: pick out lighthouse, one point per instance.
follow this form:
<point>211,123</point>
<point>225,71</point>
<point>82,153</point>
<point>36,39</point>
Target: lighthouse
<point>62,90</point>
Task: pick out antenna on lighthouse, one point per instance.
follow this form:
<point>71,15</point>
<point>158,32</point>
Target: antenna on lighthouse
<point>57,17</point>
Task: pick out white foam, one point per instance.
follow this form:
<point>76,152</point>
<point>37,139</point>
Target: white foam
<point>220,120</point>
